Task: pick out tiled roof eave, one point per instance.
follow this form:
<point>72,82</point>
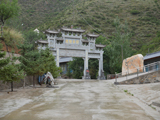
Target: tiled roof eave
<point>51,32</point>
<point>102,46</point>
<point>42,41</point>
<point>92,35</point>
<point>73,30</point>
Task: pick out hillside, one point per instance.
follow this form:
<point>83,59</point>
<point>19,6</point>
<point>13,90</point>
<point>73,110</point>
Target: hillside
<point>95,16</point>
<point>142,17</point>
<point>36,12</point>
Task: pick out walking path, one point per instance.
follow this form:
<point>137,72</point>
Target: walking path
<point>75,100</point>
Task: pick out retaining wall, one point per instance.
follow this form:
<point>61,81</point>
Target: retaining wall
<point>152,77</point>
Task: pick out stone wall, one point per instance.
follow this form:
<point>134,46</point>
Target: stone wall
<point>28,81</point>
<point>152,77</point>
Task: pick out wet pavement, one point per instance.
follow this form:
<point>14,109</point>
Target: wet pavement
<point>79,100</point>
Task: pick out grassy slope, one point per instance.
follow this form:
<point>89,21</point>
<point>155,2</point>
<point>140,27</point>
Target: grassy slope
<point>36,12</point>
<point>142,16</point>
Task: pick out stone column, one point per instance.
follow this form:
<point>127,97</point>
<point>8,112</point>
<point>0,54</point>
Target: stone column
<point>99,72</point>
<point>102,60</point>
<point>49,44</point>
<point>100,76</point>
<point>57,58</point>
<point>84,72</point>
<point>85,64</point>
<point>86,60</point>
<point>54,42</point>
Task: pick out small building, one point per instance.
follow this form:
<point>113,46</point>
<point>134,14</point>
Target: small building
<point>63,62</point>
<point>151,61</point>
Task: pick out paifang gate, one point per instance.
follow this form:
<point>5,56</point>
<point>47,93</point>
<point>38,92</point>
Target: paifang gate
<point>71,44</point>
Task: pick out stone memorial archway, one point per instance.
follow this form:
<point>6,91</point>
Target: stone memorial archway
<point>71,44</point>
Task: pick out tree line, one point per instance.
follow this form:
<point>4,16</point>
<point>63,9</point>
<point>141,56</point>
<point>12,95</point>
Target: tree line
<point>32,61</point>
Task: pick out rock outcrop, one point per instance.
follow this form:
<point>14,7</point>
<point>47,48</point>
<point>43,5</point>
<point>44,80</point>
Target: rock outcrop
<point>131,64</point>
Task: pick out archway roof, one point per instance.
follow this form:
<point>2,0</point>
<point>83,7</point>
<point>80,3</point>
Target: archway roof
<point>73,30</point>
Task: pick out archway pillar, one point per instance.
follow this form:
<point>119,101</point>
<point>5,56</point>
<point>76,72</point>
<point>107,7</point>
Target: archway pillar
<point>57,58</point>
<point>101,71</point>
<point>86,70</point>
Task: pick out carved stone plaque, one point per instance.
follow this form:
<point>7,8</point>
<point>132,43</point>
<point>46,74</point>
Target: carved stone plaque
<point>71,53</point>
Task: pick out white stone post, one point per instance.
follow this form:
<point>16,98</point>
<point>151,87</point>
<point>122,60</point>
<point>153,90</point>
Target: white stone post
<point>100,64</point>
<point>102,60</point>
<point>57,59</point>
<point>84,72</point>
<point>85,62</point>
<point>99,72</point>
<point>49,44</point>
<point>54,42</point>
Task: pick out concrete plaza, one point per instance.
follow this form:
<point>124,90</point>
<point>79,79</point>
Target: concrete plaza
<point>75,100</point>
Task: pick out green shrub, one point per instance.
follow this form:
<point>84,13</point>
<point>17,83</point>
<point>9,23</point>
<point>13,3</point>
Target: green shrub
<point>96,25</point>
<point>148,35</point>
<point>125,90</point>
<point>134,12</point>
<point>83,12</point>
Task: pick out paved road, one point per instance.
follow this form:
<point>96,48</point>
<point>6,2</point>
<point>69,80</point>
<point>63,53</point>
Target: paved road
<point>82,100</point>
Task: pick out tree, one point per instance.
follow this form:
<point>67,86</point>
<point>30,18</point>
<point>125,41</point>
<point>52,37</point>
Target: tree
<point>119,47</point>
<point>9,71</point>
<point>36,62</point>
<point>3,62</point>
<point>93,68</point>
<point>30,58</point>
<point>49,63</point>
<point>31,36</point>
<point>31,61</point>
<point>77,66</point>
<point>106,66</point>
<point>69,72</point>
<point>8,9</point>
<point>11,38</point>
